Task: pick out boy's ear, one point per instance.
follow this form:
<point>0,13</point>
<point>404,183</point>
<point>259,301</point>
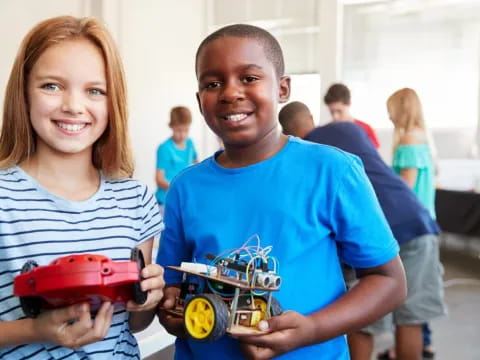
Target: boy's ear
<point>284,89</point>
<point>199,104</point>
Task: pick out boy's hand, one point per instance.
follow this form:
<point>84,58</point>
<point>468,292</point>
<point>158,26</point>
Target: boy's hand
<point>286,332</point>
<point>153,283</point>
<point>173,324</point>
<point>72,326</point>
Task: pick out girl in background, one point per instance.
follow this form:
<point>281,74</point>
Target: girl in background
<point>66,188</point>
<point>413,160</point>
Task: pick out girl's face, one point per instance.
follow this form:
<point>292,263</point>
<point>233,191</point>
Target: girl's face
<point>67,96</point>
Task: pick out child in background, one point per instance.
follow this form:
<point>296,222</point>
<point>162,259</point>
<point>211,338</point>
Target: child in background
<point>413,161</point>
<point>65,168</point>
<point>338,100</point>
<point>412,158</point>
<point>176,153</point>
<point>313,204</point>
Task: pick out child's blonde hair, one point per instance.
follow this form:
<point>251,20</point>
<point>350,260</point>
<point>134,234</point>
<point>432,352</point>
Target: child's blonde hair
<point>111,152</point>
<point>406,111</point>
<point>180,115</point>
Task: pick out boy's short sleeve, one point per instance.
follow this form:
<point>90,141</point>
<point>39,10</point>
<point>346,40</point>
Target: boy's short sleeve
<point>162,157</point>
<point>362,233</point>
<point>173,249</point>
<point>152,222</point>
<point>411,156</point>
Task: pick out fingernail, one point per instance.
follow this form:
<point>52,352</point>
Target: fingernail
<point>263,325</point>
<point>145,272</point>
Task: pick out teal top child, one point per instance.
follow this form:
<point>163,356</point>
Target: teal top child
<point>176,153</point>
<point>412,158</point>
<point>311,203</point>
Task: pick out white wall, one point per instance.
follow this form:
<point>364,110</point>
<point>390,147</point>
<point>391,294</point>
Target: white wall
<point>158,41</point>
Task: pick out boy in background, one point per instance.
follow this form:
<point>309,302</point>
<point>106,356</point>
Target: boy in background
<point>313,204</point>
<point>176,153</point>
<point>338,100</point>
<point>413,227</point>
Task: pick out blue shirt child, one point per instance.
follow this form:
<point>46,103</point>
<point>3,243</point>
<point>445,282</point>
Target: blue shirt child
<point>172,160</point>
<point>311,221</point>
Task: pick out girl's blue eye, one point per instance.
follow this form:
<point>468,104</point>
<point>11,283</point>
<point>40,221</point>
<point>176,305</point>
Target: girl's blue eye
<point>96,92</point>
<point>51,87</point>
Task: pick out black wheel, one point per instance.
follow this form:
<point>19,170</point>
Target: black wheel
<point>261,304</point>
<point>206,317</point>
<point>139,296</point>
<point>31,305</point>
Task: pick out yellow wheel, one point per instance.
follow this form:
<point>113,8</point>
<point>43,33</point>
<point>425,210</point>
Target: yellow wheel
<point>260,304</point>
<point>205,317</point>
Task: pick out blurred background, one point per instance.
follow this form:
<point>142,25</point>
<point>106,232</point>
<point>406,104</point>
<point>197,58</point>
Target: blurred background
<point>373,46</point>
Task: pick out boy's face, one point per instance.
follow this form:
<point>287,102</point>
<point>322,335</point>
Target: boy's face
<point>180,133</point>
<point>339,111</point>
<point>239,90</point>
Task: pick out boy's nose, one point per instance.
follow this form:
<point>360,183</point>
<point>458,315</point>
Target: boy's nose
<point>231,93</point>
<point>72,104</point>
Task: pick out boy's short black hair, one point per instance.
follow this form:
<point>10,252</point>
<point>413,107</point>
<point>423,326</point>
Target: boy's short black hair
<point>337,93</point>
<point>272,48</point>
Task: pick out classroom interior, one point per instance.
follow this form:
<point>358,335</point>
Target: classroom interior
<point>373,46</point>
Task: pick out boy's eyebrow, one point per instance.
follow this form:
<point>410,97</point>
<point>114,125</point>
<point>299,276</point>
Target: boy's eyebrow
<point>242,68</point>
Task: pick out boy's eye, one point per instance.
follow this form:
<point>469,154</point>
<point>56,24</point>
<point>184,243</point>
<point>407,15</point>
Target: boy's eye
<point>96,91</point>
<point>212,85</point>
<point>51,87</point>
<point>249,79</point>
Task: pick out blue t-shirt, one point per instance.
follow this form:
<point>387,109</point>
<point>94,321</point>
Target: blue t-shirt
<point>172,160</point>
<point>407,217</point>
<point>312,203</point>
<point>38,225</point>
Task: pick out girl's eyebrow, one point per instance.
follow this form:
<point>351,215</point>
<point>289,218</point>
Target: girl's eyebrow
<point>59,78</point>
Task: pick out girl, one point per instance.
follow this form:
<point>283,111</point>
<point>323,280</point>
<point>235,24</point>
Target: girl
<point>413,161</point>
<point>412,156</point>
<point>65,188</point>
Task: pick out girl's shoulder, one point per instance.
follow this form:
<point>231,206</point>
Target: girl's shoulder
<point>413,137</point>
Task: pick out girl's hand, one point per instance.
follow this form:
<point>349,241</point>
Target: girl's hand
<point>72,326</point>
<point>153,283</point>
<point>285,333</point>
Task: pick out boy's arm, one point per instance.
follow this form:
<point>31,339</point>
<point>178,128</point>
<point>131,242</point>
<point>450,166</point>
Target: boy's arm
<point>380,290</point>
<point>161,180</point>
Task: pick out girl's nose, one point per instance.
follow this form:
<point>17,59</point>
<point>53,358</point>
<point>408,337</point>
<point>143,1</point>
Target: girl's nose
<point>72,104</point>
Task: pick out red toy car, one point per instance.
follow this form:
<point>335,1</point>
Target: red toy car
<point>79,278</point>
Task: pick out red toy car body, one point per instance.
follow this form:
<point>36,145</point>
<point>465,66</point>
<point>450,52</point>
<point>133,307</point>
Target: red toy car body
<point>79,278</point>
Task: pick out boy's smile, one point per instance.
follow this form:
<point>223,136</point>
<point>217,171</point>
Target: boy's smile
<point>239,91</point>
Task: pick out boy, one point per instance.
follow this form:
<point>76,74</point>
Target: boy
<point>296,196</point>
<point>337,99</point>
<point>411,224</point>
<point>176,153</point>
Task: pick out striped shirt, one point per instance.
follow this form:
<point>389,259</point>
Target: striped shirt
<point>37,225</point>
